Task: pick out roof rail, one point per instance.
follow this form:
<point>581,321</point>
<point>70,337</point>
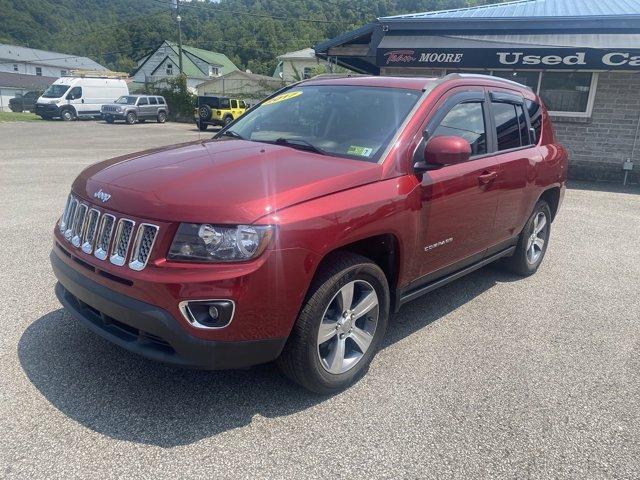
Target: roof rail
<point>452,76</point>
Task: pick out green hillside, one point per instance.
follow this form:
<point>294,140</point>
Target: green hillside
<point>250,32</point>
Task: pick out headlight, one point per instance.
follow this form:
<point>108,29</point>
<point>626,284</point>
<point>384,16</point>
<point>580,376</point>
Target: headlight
<point>118,109</point>
<point>211,243</point>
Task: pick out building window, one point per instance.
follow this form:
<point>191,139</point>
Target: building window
<point>213,71</point>
<point>63,73</point>
<point>39,71</point>
<point>15,67</point>
<point>307,72</point>
<point>169,69</point>
<point>565,94</point>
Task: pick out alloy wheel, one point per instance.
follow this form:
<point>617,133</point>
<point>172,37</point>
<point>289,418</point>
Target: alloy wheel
<point>348,326</point>
<point>537,238</point>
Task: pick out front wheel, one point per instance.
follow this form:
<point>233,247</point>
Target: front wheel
<point>108,119</point>
<point>340,326</point>
<point>532,243</point>
<point>131,118</point>
<point>66,115</point>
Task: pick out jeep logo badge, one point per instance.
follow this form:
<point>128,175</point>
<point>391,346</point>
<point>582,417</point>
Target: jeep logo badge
<point>100,195</point>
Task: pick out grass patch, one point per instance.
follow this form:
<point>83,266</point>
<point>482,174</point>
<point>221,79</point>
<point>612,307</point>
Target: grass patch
<point>18,117</point>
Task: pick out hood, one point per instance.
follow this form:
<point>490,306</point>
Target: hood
<point>223,181</point>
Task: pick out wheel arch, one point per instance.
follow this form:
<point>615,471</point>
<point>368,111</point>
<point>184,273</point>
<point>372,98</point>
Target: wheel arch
<point>552,197</point>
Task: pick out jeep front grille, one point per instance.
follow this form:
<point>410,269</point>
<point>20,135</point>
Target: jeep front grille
<point>105,236</point>
<point>121,241</point>
<point>142,245</point>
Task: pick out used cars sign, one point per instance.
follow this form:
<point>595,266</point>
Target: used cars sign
<point>535,58</point>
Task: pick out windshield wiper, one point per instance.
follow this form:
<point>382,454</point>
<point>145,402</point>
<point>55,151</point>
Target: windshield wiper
<point>300,144</point>
<point>231,133</point>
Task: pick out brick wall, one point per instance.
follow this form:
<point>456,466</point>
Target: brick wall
<point>598,145</point>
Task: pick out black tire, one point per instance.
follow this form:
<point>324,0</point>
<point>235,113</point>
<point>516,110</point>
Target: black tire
<point>201,125</point>
<point>205,112</point>
<point>162,117</point>
<point>131,118</point>
<point>300,359</point>
<point>67,114</point>
<point>16,109</point>
<point>521,262</point>
<point>142,120</point>
<point>227,120</point>
<point>108,119</point>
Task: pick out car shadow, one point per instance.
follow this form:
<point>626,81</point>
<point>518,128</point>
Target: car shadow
<point>127,397</point>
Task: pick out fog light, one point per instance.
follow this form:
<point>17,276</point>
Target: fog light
<point>208,313</point>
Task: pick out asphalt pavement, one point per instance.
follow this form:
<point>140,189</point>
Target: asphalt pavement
<point>492,376</point>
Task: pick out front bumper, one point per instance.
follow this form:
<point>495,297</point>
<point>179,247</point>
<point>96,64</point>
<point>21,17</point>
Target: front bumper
<point>149,330</point>
<point>47,110</point>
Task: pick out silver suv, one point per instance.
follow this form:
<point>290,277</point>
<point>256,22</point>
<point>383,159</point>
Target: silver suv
<point>136,108</point>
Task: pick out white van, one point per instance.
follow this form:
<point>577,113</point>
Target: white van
<point>71,97</point>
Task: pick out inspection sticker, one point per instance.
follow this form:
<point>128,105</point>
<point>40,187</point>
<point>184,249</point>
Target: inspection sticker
<point>282,97</point>
<point>360,151</point>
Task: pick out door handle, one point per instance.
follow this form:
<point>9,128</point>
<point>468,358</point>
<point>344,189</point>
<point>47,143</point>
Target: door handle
<point>487,177</point>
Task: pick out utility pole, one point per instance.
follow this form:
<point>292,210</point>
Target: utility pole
<point>174,5</point>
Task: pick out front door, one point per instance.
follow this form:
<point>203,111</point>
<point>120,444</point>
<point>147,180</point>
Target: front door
<point>459,201</point>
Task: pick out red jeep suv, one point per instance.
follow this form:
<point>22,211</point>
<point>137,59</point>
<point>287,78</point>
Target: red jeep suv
<point>298,228</point>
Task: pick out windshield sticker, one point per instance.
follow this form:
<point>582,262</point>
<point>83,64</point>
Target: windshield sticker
<point>359,151</point>
<point>282,97</point>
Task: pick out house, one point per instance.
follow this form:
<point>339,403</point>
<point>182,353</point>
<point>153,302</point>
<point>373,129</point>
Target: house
<point>14,84</point>
<point>30,61</point>
<point>243,85</point>
<point>298,65</point>
<point>197,64</point>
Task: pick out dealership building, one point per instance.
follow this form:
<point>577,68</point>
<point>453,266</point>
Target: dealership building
<point>581,56</point>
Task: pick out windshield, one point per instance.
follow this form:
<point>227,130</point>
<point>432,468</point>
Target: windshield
<point>126,100</point>
<point>55,91</point>
<point>348,121</point>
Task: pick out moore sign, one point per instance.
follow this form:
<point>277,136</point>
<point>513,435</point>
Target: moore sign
<point>534,58</point>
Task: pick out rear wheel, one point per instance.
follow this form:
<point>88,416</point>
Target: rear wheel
<point>162,117</point>
<point>228,120</point>
<point>202,126</point>
<point>131,118</point>
<point>532,243</point>
<point>340,326</point>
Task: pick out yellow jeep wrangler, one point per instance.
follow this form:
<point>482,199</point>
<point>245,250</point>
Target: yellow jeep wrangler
<point>217,111</point>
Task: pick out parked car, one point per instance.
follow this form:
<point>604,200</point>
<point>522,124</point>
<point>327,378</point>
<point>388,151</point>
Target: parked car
<point>71,98</point>
<point>217,111</point>
<point>27,102</point>
<point>136,108</point>
<point>297,230</point>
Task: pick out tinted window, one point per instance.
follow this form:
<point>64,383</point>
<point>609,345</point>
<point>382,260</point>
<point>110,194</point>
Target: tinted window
<point>234,104</point>
<point>161,100</point>
<point>466,120</point>
<point>224,103</point>
<point>242,104</point>
<point>522,122</point>
<point>535,117</point>
<point>153,101</point>
<point>143,101</point>
<point>507,126</point>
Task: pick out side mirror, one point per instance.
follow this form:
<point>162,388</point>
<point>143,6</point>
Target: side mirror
<point>440,151</point>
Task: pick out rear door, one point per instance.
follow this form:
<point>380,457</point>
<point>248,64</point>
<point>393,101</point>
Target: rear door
<point>143,108</point>
<point>518,155</point>
<point>235,109</point>
<point>459,201</point>
<point>153,107</point>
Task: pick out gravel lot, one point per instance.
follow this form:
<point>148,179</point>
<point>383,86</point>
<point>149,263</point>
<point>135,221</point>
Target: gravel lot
<point>489,377</point>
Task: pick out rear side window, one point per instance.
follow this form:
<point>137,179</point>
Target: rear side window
<point>143,101</point>
<point>535,117</point>
<point>234,104</point>
<point>507,127</point>
<point>153,100</point>
<point>466,120</point>
<point>161,100</point>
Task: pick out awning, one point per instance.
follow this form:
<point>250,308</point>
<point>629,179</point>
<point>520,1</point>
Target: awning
<point>556,51</point>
